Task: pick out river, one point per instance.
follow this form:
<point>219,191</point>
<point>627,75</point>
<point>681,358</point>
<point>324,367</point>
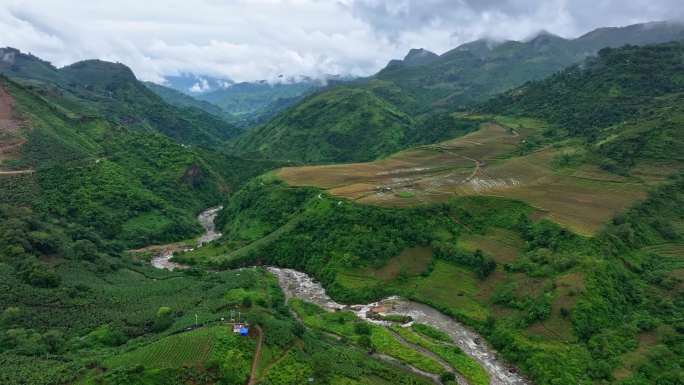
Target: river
<point>296,284</point>
<point>206,219</point>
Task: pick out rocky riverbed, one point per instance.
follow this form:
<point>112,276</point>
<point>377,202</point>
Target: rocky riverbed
<point>299,285</point>
<point>206,218</point>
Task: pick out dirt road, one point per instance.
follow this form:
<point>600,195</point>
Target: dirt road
<point>257,357</point>
<point>17,172</point>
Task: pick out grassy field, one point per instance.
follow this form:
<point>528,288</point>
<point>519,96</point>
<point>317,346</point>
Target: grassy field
<point>503,245</point>
<point>411,262</point>
<point>484,162</point>
<point>448,286</point>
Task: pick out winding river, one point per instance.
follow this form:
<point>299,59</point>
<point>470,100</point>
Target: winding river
<point>206,219</point>
<point>299,285</point>
<point>296,284</point>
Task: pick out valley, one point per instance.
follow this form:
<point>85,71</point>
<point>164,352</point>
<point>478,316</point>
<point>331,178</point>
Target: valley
<point>504,213</point>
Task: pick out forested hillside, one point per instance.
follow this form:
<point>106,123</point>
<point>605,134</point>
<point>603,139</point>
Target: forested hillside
<point>625,103</point>
<point>426,88</point>
<point>110,90</point>
<point>130,186</point>
<point>341,125</point>
<point>179,99</point>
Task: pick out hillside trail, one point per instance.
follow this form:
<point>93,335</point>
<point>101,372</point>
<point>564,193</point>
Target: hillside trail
<point>18,172</point>
<point>257,357</point>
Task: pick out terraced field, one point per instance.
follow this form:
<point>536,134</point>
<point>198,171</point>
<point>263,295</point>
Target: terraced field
<point>481,163</point>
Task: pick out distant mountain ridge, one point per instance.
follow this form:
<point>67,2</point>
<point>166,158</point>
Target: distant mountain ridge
<point>426,88</point>
<point>111,90</point>
<point>476,70</point>
<point>245,103</point>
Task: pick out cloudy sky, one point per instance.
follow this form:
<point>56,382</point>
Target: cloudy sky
<point>261,39</point>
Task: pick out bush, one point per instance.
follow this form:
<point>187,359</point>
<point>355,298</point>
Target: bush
<point>362,328</point>
<point>163,319</point>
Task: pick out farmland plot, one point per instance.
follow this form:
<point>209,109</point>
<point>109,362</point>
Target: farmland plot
<point>480,163</point>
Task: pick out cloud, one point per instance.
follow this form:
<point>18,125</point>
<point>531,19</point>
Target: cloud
<point>263,39</point>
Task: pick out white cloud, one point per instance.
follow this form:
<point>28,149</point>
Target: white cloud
<point>262,39</point>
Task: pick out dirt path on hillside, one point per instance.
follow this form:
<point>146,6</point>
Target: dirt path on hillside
<point>17,172</point>
<point>257,357</point>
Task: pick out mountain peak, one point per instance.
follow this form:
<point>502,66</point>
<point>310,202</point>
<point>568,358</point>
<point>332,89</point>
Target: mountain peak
<point>418,56</point>
<point>25,65</point>
<point>544,36</point>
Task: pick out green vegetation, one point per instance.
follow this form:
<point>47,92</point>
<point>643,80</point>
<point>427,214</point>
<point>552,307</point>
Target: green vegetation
<point>348,123</point>
<point>625,104</point>
<point>546,308</point>
<point>110,90</point>
<point>410,102</point>
<point>181,100</point>
<point>340,125</point>
<point>450,353</point>
<point>256,102</point>
<point>104,319</point>
<point>108,166</point>
<point>137,188</point>
<point>375,338</point>
<point>431,332</point>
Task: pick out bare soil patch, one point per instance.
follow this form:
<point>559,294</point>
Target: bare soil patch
<point>11,139</point>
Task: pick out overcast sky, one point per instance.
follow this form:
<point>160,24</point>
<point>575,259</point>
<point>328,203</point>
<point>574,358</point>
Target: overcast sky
<point>261,39</point>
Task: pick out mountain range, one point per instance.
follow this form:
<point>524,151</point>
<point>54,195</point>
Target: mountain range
<point>530,192</point>
<point>424,85</point>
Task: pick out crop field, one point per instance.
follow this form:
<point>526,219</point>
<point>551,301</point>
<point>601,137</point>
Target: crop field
<point>185,349</point>
<point>557,326</point>
<point>483,163</point>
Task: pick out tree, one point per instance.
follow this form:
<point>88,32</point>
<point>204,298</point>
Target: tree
<point>362,328</point>
<point>366,343</point>
<point>10,316</point>
<point>54,340</point>
<point>447,376</point>
<point>247,301</point>
<point>163,320</point>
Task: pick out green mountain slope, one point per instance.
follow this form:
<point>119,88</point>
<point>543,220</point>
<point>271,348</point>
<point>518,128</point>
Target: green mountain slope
<point>477,70</point>
<point>343,124</point>
<point>179,99</point>
<point>565,308</point>
<point>626,103</point>
<point>130,186</point>
<point>424,88</point>
<point>250,99</point>
<point>111,91</point>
